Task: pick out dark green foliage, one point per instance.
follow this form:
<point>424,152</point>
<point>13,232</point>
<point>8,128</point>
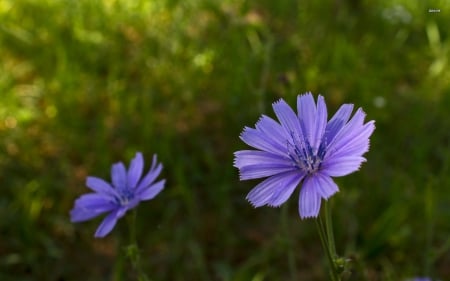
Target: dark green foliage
<point>86,83</point>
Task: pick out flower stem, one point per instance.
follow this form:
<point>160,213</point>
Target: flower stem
<point>327,240</point>
<point>119,265</point>
<point>329,229</point>
<point>132,251</point>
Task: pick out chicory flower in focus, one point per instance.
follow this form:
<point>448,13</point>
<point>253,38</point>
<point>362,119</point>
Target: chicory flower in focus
<point>302,148</point>
<point>124,193</point>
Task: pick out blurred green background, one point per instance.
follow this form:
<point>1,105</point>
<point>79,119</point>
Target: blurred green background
<point>87,83</point>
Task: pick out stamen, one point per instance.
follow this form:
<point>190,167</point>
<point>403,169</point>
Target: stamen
<point>303,156</point>
<point>125,196</point>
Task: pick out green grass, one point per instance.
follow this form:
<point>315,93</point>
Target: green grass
<point>84,84</point>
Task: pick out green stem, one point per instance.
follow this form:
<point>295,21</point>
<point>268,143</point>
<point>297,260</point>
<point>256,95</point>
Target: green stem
<point>329,229</point>
<point>133,239</point>
<point>325,247</point>
<point>327,240</point>
<point>120,260</point>
<point>133,249</point>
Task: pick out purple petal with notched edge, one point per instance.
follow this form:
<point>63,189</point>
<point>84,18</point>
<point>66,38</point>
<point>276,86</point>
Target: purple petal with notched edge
<point>100,186</point>
<point>260,141</point>
<point>309,200</point>
<point>338,121</point>
<point>150,192</point>
<point>322,184</point>
<point>348,131</point>
<point>273,132</point>
<point>283,194</point>
<point>253,157</point>
<point>287,118</point>
<point>318,130</point>
<point>341,166</point>
<point>257,164</point>
<point>355,143</point>
<point>119,175</point>
<point>135,170</point>
<point>262,171</point>
<point>263,193</point>
<point>306,112</point>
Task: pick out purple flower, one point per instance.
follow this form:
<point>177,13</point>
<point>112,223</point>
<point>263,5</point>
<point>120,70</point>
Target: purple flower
<point>304,148</point>
<point>125,192</point>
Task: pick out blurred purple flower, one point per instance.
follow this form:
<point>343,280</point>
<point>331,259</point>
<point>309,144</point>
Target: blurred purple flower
<point>125,192</point>
<point>305,148</point>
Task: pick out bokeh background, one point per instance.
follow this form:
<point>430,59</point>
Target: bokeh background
<point>87,83</point>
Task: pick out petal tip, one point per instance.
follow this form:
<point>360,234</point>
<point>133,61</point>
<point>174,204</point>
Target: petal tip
<point>309,216</point>
<point>252,202</point>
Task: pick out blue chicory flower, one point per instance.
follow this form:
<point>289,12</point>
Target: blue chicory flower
<point>125,193</point>
<point>305,148</point>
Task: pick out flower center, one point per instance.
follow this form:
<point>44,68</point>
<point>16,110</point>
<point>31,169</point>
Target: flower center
<point>125,196</point>
<point>304,156</point>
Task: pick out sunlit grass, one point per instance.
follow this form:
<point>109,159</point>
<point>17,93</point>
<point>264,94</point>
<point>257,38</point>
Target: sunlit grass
<point>84,84</point>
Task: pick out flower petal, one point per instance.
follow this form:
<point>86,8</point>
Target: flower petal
<point>306,110</point>
<point>355,143</point>
<point>100,186</point>
<point>119,175</point>
<point>135,170</point>
<point>259,140</point>
<point>283,194</point>
<point>337,122</point>
<point>348,132</point>
<point>152,191</point>
<point>152,174</point>
<point>341,166</point>
<point>79,214</point>
<point>309,201</point>
<point>133,203</point>
<point>287,117</point>
<point>154,161</point>
<point>268,191</point>
<point>273,132</point>
<point>91,205</point>
<point>257,164</point>
<point>94,201</point>
<point>262,171</point>
<point>313,119</point>
<point>107,224</point>
<point>323,184</point>
<point>318,130</point>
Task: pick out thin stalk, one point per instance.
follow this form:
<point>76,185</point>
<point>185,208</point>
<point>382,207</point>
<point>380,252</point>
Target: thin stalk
<point>324,240</point>
<point>133,250</point>
<point>329,229</point>
<point>120,260</point>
